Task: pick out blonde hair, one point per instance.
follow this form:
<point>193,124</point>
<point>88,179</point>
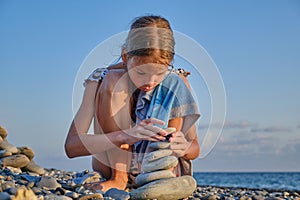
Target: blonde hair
<point>150,36</point>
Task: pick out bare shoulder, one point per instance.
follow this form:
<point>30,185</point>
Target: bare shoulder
<point>114,77</point>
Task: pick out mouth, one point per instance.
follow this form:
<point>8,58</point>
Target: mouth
<point>146,88</point>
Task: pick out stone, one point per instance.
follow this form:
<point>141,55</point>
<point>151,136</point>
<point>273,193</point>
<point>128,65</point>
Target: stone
<point>35,168</point>
<point>27,151</point>
<point>7,185</point>
<point>4,153</point>
<point>286,194</point>
<point>17,161</point>
<point>155,155</point>
<point>160,145</point>
<point>245,198</point>
<point>4,196</point>
<point>160,164</point>
<point>29,178</point>
<point>209,197</point>
<point>12,191</point>
<point>3,132</point>
<point>144,178</point>
<point>48,182</point>
<point>91,196</point>
<point>56,197</point>
<point>165,189</point>
<point>73,195</point>
<point>14,170</point>
<point>24,194</point>
<point>88,178</point>
<point>1,140</point>
<point>257,197</point>
<point>37,190</point>
<point>5,145</point>
<point>170,130</point>
<point>60,191</point>
<point>117,194</point>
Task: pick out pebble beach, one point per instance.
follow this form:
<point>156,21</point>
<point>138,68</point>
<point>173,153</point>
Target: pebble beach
<point>21,179</point>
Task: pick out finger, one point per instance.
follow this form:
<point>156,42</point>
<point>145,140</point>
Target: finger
<point>156,129</point>
<point>178,140</point>
<point>150,134</point>
<point>178,147</point>
<point>154,121</point>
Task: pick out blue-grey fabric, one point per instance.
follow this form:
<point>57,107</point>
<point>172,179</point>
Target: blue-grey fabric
<point>170,99</point>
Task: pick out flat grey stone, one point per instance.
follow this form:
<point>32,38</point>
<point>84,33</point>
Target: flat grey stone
<point>117,194</point>
<point>4,196</point>
<point>159,145</point>
<point>4,153</point>
<point>27,151</point>
<point>56,197</point>
<point>30,178</point>
<point>155,155</point>
<point>48,182</point>
<point>144,178</point>
<point>35,168</point>
<point>5,145</point>
<point>17,161</point>
<point>166,189</point>
<point>160,164</point>
<point>88,178</point>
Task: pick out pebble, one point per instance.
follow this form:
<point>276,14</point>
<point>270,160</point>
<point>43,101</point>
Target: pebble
<point>25,194</point>
<point>5,145</point>
<point>155,155</point>
<point>4,153</point>
<point>160,145</point>
<point>3,132</point>
<point>17,161</point>
<point>35,168</point>
<point>89,177</point>
<point>48,182</point>
<point>165,189</point>
<point>26,151</point>
<point>144,178</point>
<point>162,163</point>
<point>18,183</point>
<point>91,196</point>
<point>117,194</point>
<point>4,196</point>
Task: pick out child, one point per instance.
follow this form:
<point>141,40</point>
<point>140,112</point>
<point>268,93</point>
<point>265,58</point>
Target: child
<point>124,99</point>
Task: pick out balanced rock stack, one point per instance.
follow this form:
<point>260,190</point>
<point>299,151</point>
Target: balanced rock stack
<point>17,159</point>
<point>157,180</point>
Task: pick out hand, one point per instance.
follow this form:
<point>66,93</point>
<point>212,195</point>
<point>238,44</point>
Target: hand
<point>179,144</point>
<point>145,130</point>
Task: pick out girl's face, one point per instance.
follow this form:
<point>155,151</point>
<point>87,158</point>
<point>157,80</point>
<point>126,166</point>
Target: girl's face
<point>145,73</point>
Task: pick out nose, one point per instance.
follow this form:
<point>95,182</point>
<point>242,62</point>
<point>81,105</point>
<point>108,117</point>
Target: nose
<point>150,80</point>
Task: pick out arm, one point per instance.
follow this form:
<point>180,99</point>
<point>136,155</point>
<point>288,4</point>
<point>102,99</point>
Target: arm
<point>77,139</point>
<point>79,143</point>
<point>187,145</point>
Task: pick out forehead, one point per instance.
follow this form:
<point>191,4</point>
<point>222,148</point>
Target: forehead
<point>143,61</point>
<point>148,59</point>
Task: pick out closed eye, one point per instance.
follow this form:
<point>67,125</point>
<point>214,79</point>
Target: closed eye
<point>140,73</point>
<point>162,73</point>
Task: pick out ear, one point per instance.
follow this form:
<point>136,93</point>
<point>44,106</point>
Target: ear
<point>124,56</point>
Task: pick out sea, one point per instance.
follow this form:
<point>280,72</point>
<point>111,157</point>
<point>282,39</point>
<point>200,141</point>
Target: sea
<point>289,181</point>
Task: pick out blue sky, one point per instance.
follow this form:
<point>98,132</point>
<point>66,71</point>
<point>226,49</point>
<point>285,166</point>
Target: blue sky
<point>254,44</point>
